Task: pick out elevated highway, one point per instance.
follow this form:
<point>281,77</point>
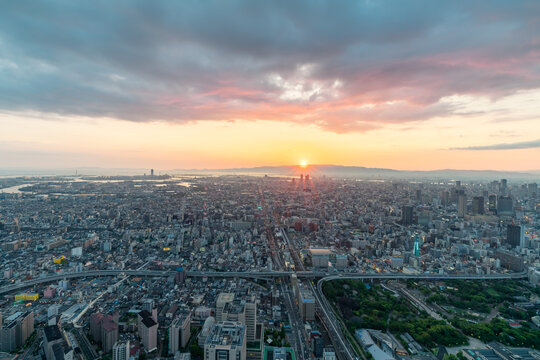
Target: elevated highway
<point>254,275</point>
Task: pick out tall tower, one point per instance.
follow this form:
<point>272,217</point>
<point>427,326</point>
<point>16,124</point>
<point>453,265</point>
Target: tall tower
<point>462,205</point>
<point>416,248</point>
<point>407,215</point>
<point>151,172</point>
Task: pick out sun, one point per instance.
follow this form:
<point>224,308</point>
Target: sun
<point>303,163</point>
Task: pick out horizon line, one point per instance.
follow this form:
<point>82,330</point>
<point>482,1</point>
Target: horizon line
<point>76,169</point>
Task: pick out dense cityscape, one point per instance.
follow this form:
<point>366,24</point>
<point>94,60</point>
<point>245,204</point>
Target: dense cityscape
<point>268,267</point>
<point>269,180</point>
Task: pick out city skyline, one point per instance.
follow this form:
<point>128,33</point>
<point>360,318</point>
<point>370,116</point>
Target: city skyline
<point>415,86</point>
<point>269,180</point>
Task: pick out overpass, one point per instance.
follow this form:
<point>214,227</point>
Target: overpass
<point>254,275</point>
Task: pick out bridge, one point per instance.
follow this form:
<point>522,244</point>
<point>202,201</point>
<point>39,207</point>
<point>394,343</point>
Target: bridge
<point>324,276</point>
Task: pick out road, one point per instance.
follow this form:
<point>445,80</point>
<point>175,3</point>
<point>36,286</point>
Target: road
<point>342,346</point>
<point>295,337</point>
<point>256,275</point>
<point>332,325</point>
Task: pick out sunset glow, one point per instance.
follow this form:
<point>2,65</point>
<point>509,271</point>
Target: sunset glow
<point>381,84</point>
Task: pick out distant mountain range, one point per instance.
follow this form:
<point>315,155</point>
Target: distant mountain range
<point>371,173</point>
<point>293,170</point>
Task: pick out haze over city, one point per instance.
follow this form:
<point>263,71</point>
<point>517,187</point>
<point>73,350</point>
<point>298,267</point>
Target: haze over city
<point>413,85</point>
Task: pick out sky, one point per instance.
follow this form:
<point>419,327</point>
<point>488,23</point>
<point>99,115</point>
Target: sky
<point>412,85</point>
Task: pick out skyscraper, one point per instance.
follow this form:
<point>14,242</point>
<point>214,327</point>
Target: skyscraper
<point>492,203</point>
<point>477,206</point>
<point>503,185</point>
<point>445,198</point>
<point>462,205</point>
<point>505,205</point>
<point>407,215</point>
<point>532,189</point>
<point>515,235</point>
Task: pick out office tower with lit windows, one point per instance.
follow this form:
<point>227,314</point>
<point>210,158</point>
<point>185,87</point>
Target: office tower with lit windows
<point>492,203</point>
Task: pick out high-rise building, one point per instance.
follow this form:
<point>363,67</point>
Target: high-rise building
<point>445,198</point>
<point>147,327</point>
<point>205,331</point>
<point>17,328</point>
<point>226,341</point>
<point>55,345</point>
<point>503,185</point>
<point>532,189</point>
<point>244,312</point>
<point>179,332</point>
<point>104,329</point>
<point>148,305</point>
<point>477,205</point>
<point>26,326</point>
<point>515,235</point>
<point>120,350</point>
<point>306,304</point>
<point>407,215</point>
<point>222,299</point>
<point>492,203</point>
<point>109,334</point>
<point>251,320</point>
<point>8,337</point>
<point>95,326</point>
<point>505,205</point>
<point>462,205</point>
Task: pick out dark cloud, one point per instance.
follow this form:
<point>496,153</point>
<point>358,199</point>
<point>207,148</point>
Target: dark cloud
<point>219,60</point>
<point>507,146</point>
